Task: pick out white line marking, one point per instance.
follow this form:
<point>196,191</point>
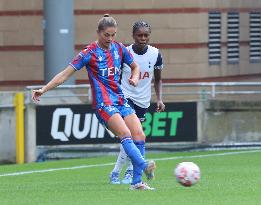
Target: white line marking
<point>112,163</point>
<point>207,155</point>
<point>55,169</point>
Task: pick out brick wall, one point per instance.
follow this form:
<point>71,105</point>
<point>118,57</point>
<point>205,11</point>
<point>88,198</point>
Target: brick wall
<point>179,29</point>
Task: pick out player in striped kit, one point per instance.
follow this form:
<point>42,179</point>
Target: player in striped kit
<point>103,59</point>
<point>150,61</point>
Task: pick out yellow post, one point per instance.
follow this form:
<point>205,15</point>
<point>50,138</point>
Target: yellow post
<point>19,112</point>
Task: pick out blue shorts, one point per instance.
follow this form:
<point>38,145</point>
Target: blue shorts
<point>104,113</point>
<point>140,112</point>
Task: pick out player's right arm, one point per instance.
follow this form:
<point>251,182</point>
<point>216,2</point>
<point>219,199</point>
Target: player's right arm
<point>135,69</point>
<point>59,79</point>
<point>77,63</point>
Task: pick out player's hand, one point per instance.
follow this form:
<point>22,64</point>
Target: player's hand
<point>160,106</point>
<point>133,81</point>
<point>36,95</point>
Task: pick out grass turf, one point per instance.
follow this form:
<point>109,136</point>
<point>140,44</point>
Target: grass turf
<point>225,180</point>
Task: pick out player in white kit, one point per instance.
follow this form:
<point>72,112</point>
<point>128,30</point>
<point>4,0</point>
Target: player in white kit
<point>150,61</point>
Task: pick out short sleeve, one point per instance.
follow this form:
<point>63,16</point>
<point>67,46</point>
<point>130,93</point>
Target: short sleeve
<point>80,60</point>
<point>159,62</point>
<point>127,56</point>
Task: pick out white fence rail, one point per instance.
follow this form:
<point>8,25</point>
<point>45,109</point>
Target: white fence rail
<point>212,89</point>
<point>200,91</point>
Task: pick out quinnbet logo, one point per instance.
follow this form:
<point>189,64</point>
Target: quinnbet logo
<point>161,124</point>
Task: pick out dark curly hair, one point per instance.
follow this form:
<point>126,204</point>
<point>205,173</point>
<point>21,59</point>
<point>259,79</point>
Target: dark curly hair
<point>140,24</point>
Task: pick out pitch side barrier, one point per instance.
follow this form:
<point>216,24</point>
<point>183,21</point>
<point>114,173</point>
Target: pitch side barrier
<point>196,115</point>
<point>66,126</point>
<point>63,124</point>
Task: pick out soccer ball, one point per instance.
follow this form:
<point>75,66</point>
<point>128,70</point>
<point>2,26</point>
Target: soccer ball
<point>187,173</point>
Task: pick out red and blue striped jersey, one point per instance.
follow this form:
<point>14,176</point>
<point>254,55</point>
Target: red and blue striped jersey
<point>104,68</point>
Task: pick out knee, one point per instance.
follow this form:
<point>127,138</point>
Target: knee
<point>124,133</point>
<point>138,135</point>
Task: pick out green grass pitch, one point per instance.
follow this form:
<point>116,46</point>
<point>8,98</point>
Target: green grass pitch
<point>227,178</point>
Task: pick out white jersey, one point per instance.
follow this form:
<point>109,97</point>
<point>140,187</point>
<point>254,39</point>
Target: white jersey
<point>141,94</point>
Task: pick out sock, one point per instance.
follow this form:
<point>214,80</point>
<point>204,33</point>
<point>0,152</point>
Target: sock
<point>129,165</point>
<point>121,160</point>
<point>137,159</point>
<point>141,146</point>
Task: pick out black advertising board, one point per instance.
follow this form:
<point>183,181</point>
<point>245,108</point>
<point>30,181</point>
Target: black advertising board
<point>176,124</point>
<point>77,124</point>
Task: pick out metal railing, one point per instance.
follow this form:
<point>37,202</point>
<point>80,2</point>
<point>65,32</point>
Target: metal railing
<point>6,99</point>
<point>73,88</point>
<point>211,88</point>
<point>202,90</point>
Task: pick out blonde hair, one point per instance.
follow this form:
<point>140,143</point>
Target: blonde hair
<point>105,22</point>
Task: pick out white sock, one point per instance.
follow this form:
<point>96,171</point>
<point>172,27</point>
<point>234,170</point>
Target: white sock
<point>121,161</point>
<point>129,164</point>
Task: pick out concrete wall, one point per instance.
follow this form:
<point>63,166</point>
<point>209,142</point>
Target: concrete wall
<point>229,122</point>
<point>179,29</point>
<point>7,128</point>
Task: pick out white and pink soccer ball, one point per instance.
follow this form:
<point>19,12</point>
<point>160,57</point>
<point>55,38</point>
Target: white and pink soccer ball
<point>187,173</point>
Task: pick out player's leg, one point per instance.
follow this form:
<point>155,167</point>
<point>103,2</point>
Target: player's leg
<point>128,175</point>
<point>135,127</point>
<point>110,117</point>
<point>121,161</point>
<point>104,115</point>
<point>117,125</point>
<point>141,113</point>
<point>139,163</point>
<point>133,123</point>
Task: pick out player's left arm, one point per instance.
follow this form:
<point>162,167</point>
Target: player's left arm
<point>158,83</point>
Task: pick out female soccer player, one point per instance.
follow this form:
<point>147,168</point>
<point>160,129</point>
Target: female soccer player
<point>103,59</point>
<point>150,62</point>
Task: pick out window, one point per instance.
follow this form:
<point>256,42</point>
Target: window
<point>214,38</point>
<point>255,37</point>
<point>233,46</point>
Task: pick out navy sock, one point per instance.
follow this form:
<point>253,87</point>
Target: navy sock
<point>139,163</point>
<point>141,146</point>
